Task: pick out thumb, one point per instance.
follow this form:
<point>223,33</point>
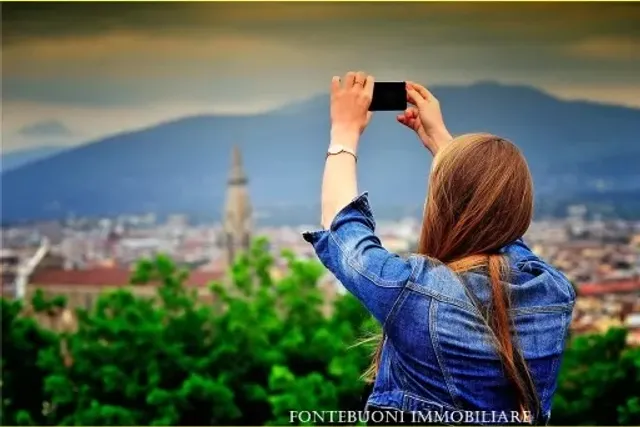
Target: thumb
<point>335,84</point>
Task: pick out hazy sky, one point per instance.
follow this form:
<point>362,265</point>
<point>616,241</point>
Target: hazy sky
<point>76,71</point>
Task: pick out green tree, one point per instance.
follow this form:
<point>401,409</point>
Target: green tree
<point>23,340</point>
<point>599,382</point>
<point>263,348</point>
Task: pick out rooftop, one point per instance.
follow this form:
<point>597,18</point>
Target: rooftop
<point>602,288</point>
<point>108,277</point>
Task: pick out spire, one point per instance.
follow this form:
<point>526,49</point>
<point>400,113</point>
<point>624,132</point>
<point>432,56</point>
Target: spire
<point>237,222</point>
<point>237,176</point>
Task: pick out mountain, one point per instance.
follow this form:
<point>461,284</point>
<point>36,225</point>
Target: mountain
<point>17,158</point>
<point>182,166</point>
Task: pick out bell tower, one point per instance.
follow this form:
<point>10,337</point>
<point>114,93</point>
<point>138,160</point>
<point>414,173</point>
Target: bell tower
<point>237,217</point>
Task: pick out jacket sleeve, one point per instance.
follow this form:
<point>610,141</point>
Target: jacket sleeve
<point>355,256</point>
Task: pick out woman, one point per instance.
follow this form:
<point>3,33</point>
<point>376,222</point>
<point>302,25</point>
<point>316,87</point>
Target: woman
<point>474,324</point>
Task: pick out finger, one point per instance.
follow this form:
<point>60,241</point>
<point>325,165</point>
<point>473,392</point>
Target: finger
<point>405,118</point>
<point>361,78</point>
<point>368,86</point>
<point>411,112</point>
<point>349,79</point>
<point>423,91</point>
<point>335,84</point>
<point>406,121</point>
<point>415,98</point>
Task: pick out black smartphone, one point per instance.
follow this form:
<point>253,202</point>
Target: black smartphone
<point>389,96</point>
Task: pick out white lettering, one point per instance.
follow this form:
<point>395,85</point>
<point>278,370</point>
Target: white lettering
<point>422,417</point>
<point>441,417</point>
<point>307,413</point>
<point>455,414</point>
<point>379,418</point>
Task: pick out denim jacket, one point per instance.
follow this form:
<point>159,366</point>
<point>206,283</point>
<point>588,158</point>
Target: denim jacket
<point>438,355</point>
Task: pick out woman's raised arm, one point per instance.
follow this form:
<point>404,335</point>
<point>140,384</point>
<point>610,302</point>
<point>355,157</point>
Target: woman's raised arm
<point>348,246</point>
<point>350,100</point>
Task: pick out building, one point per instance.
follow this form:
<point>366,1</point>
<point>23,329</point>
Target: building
<point>613,287</point>
<point>237,219</point>
<point>16,268</point>
<point>603,305</point>
<point>633,326</point>
<point>9,264</point>
<point>83,287</point>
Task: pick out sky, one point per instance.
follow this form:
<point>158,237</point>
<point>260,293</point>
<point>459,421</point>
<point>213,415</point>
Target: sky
<point>73,72</point>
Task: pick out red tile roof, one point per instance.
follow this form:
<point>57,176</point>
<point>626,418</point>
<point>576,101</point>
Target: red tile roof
<point>108,277</point>
<point>618,286</point>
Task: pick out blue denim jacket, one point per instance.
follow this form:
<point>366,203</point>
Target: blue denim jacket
<point>438,355</point>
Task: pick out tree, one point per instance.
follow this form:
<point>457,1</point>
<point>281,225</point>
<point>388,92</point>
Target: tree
<point>23,340</point>
<point>263,348</point>
<point>599,382</point>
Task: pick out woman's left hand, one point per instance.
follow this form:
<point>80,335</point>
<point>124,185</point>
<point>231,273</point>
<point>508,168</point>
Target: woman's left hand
<point>350,103</point>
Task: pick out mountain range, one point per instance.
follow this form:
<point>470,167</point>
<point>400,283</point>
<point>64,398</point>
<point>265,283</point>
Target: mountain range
<point>576,150</point>
<point>17,158</point>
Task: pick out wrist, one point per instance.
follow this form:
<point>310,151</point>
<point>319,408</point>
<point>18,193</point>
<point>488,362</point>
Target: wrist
<point>345,136</point>
<point>439,138</point>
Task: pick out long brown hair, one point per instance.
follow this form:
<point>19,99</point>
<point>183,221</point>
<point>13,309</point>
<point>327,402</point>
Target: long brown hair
<point>480,198</point>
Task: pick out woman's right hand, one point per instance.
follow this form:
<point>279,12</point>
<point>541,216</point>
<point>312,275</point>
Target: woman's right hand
<point>425,118</point>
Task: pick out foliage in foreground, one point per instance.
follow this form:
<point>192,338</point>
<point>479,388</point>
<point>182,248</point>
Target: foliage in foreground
<point>261,349</point>
<point>599,382</point>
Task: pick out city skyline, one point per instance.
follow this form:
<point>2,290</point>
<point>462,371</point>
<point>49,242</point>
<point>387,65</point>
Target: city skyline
<point>75,72</point>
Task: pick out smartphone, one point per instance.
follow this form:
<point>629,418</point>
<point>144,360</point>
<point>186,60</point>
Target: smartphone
<point>389,96</point>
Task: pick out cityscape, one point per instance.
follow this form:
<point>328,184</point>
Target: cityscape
<point>80,257</point>
<point>160,162</point>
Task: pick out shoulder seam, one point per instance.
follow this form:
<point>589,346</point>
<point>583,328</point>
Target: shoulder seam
<point>554,308</point>
<point>377,281</point>
<point>435,342</point>
<point>440,297</point>
<point>397,303</point>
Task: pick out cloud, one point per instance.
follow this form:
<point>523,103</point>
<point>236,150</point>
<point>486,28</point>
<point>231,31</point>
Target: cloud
<point>22,21</point>
<point>607,48</point>
<point>103,67</point>
<point>610,93</point>
<point>95,122</point>
<point>139,55</point>
<point>47,128</point>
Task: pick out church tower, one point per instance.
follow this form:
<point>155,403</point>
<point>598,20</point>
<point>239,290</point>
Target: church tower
<point>237,216</point>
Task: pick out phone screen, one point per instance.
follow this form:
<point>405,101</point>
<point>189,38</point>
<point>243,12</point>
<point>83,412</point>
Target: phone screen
<point>389,96</point>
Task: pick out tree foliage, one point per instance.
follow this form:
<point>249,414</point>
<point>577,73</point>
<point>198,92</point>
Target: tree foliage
<point>599,382</point>
<point>23,340</point>
<point>261,348</point>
